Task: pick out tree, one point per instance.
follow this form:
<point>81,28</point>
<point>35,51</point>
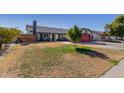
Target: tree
<point>107,27</point>
<point>104,35</point>
<point>74,34</point>
<point>107,31</point>
<point>8,34</point>
<point>117,27</point>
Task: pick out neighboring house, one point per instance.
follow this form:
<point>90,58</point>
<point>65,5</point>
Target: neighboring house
<point>97,35</point>
<point>90,35</point>
<point>57,34</point>
<point>113,38</point>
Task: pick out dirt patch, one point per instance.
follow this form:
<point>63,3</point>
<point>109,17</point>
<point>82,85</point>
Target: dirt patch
<point>9,60</point>
<point>113,54</point>
<point>46,44</point>
<point>4,49</point>
<point>88,66</point>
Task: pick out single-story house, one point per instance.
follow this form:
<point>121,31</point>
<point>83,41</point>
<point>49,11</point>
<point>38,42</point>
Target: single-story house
<point>58,34</point>
<point>90,35</point>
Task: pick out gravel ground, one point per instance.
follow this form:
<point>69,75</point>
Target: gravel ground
<point>10,47</point>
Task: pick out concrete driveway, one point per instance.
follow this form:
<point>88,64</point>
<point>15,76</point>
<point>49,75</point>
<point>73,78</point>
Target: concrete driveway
<point>118,46</point>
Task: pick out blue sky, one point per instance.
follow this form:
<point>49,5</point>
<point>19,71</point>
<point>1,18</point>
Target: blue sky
<point>92,21</point>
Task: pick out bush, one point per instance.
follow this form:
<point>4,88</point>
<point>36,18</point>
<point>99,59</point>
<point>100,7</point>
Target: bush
<point>7,35</point>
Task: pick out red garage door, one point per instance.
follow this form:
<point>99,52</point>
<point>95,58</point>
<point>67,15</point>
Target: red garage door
<point>85,38</point>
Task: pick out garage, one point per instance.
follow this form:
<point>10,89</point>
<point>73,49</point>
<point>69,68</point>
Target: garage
<point>86,38</point>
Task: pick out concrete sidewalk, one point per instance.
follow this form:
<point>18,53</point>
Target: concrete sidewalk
<point>116,72</point>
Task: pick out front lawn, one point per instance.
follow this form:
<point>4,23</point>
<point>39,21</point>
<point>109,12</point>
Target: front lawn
<point>58,60</point>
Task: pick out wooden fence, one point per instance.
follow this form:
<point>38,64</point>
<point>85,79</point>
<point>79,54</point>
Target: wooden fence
<point>27,38</point>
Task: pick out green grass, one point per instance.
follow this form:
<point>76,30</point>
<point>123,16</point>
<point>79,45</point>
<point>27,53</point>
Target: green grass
<point>114,62</point>
<point>65,49</point>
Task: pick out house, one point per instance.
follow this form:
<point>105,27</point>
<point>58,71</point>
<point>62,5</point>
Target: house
<point>90,35</point>
<point>58,34</point>
<point>47,33</point>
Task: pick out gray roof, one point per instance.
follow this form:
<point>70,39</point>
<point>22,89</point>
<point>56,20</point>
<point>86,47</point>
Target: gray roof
<point>44,29</point>
<point>48,29</point>
<point>92,31</point>
<point>97,32</point>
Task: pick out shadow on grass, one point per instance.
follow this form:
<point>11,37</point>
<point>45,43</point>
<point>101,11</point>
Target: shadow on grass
<point>91,53</point>
<point>25,43</point>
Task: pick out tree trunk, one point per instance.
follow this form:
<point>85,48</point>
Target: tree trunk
<point>116,38</point>
<point>121,38</point>
<point>0,46</point>
<point>74,44</point>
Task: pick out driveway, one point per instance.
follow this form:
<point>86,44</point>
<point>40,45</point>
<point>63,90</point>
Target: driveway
<point>118,46</point>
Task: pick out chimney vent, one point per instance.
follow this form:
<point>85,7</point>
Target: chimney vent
<point>34,26</point>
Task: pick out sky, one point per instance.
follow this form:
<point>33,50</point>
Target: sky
<point>91,21</point>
